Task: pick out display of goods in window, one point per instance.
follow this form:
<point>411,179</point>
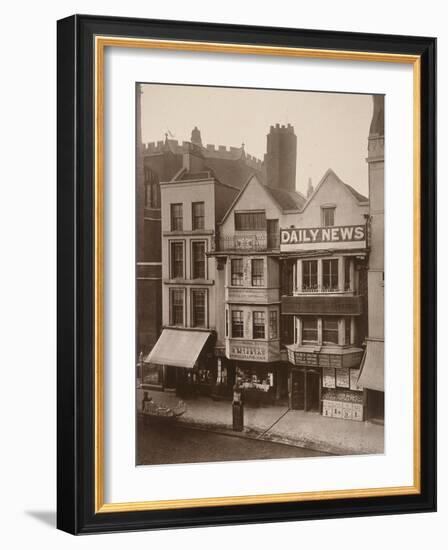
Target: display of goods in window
<point>328,378</point>
<point>354,374</point>
<point>343,378</point>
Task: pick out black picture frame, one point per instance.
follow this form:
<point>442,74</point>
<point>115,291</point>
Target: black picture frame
<point>76,270</point>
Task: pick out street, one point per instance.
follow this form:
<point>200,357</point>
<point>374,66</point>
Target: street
<point>176,444</point>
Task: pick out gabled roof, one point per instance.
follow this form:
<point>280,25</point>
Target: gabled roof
<point>230,171</point>
<point>358,196</point>
<point>355,194</point>
<point>287,200</point>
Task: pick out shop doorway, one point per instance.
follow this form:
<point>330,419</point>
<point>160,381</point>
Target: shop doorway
<point>312,391</point>
<point>375,406</point>
<point>170,377</point>
<point>297,390</point>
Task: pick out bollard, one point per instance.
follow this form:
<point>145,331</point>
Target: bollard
<point>237,410</point>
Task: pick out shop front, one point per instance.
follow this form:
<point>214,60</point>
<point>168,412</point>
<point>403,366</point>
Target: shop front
<point>305,391</point>
<point>182,360</point>
<point>257,382</point>
<point>371,378</point>
<point>325,382</point>
<point>258,370</point>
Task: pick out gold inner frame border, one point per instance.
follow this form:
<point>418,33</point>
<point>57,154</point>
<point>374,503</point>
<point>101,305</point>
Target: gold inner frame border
<point>101,42</point>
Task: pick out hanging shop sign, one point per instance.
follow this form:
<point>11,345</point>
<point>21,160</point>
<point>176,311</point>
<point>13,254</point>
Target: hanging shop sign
<point>318,238</point>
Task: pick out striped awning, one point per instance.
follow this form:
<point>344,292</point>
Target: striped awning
<point>372,367</point>
<point>178,348</point>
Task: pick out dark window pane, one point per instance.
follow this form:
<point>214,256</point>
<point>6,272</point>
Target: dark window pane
<point>347,330</point>
<point>250,221</point>
<point>198,307</point>
<point>257,273</point>
<point>198,215</point>
<point>177,307</point>
<point>237,324</point>
<point>236,267</point>
<point>198,250</point>
<point>309,275</point>
<point>328,217</point>
<point>330,274</point>
<point>176,217</point>
<point>258,324</point>
<point>177,260</point>
<point>273,325</point>
<point>309,329</point>
<point>330,330</point>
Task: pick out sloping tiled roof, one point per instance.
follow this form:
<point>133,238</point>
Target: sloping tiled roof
<point>287,200</point>
<point>185,176</point>
<point>231,172</point>
<point>358,196</point>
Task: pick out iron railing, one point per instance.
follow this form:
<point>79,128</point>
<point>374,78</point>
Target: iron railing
<point>248,241</point>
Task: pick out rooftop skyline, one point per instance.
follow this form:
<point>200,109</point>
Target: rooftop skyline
<point>332,128</point>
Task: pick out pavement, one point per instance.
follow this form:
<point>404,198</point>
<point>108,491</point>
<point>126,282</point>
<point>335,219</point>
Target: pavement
<point>280,424</point>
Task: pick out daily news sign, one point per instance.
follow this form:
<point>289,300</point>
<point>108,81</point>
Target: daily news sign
<point>321,238</point>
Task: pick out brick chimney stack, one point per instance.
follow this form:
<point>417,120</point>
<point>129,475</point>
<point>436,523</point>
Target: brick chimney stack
<point>281,157</point>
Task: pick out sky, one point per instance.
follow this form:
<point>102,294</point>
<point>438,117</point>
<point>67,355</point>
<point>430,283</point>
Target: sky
<point>331,128</point>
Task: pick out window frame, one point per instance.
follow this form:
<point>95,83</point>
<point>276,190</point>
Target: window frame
<point>261,278</point>
<point>331,330</point>
<point>302,328</point>
<point>273,322</point>
<point>310,287</point>
<point>258,325</point>
<point>173,217</point>
<point>194,217</point>
<point>251,214</point>
<point>193,262</point>
<point>172,262</point>
<point>324,211</point>
<point>233,322</point>
<point>195,292</point>
<point>172,291</point>
<point>232,283</point>
<point>331,274</point>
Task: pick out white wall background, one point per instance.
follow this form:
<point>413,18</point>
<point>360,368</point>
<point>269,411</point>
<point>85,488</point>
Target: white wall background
<point>28,272</point>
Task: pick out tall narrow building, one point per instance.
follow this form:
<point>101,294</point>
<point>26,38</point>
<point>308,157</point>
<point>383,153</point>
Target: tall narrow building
<point>372,374</point>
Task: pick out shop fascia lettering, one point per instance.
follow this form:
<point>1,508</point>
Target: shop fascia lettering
<point>343,233</point>
<point>244,351</point>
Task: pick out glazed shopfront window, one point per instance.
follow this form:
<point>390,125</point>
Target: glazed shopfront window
<point>257,377</point>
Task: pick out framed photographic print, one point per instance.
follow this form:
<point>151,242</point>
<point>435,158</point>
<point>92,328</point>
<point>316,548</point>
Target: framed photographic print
<point>246,274</point>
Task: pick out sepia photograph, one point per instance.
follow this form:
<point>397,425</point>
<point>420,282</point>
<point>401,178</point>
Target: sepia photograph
<point>259,274</point>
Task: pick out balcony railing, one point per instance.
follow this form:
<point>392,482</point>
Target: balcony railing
<point>247,242</point>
